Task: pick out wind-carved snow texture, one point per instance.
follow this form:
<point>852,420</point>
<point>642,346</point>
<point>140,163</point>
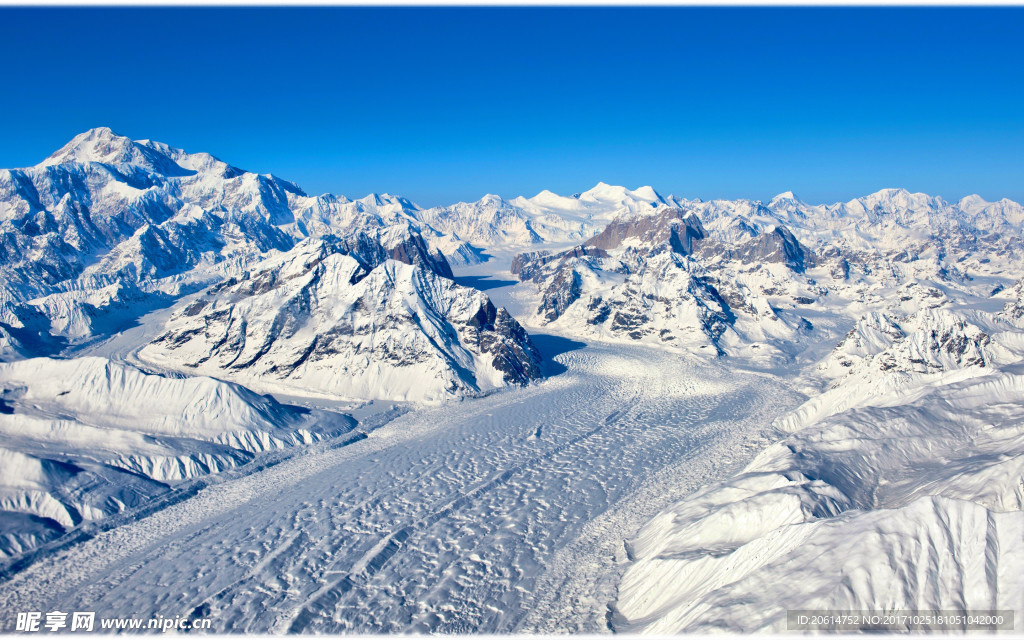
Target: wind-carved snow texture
<point>748,407</point>
<point>910,499</point>
<point>900,487</point>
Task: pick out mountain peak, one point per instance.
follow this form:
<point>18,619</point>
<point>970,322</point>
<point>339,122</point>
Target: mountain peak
<point>103,145</point>
<point>100,133</point>
<point>890,192</point>
<point>604,192</point>
<point>786,195</point>
<point>647,192</point>
<point>94,145</point>
<point>603,189</point>
<point>900,198</point>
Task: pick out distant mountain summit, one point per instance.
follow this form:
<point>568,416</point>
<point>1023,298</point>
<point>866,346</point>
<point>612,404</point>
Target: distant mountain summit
<point>103,146</point>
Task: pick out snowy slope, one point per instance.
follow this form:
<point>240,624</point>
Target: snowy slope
<point>489,222</point>
<point>661,278</point>
<point>578,217</point>
<point>85,438</point>
<point>495,223</point>
<point>337,215</point>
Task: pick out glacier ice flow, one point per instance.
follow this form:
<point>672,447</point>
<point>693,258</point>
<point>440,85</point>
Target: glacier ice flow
<point>464,517</point>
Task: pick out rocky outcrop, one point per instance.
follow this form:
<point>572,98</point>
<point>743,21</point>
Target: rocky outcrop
<point>528,266</point>
<point>779,246</point>
<point>679,228</point>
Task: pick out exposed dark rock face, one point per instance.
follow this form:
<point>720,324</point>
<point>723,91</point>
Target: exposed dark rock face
<point>410,249</point>
<point>562,291</point>
<point>496,332</point>
<point>524,264</point>
<point>778,246</point>
<point>529,266</point>
<point>413,250</point>
<point>676,227</point>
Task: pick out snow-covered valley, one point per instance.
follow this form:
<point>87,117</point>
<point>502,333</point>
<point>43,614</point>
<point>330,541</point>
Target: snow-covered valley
<point>616,411</point>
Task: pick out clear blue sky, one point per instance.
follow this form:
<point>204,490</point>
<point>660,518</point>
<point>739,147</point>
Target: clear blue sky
<point>445,104</point>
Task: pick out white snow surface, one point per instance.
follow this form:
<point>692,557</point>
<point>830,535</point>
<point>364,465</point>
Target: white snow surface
<point>312,320</point>
<point>899,490</point>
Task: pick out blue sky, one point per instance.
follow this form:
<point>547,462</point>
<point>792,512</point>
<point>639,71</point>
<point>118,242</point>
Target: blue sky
<point>445,104</point>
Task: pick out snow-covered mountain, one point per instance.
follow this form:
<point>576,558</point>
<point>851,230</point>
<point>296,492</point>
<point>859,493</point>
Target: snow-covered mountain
<point>107,210</point>
<point>663,279</point>
<point>578,217</point>
<point>929,341</point>
<point>320,319</point>
<point>488,222</point>
<point>761,276</point>
<point>495,223</point>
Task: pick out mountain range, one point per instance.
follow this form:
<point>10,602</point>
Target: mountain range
<point>166,317</point>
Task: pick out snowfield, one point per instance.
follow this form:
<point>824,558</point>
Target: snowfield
<point>903,491</point>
